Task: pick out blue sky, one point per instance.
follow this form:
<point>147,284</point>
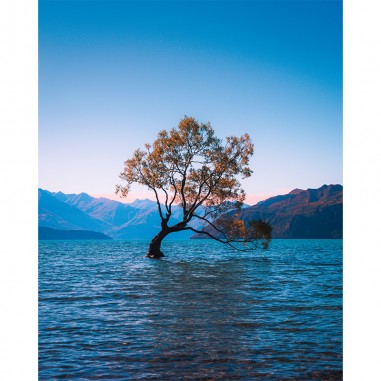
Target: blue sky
<point>112,74</point>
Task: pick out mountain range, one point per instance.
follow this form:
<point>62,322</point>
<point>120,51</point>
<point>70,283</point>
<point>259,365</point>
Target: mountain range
<point>137,220</point>
<point>311,213</point>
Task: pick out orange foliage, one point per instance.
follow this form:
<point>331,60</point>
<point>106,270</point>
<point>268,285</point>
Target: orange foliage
<point>193,168</point>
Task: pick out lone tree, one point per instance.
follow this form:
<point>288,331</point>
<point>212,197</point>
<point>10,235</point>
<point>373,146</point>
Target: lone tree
<point>191,167</point>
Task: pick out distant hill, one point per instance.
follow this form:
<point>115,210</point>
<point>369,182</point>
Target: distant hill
<point>137,220</point>
<point>56,214</point>
<point>145,204</point>
<point>111,212</point>
<point>56,234</point>
<point>311,213</point>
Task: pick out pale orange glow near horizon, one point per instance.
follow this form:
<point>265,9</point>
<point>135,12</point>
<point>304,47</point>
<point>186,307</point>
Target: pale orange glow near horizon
<point>251,199</point>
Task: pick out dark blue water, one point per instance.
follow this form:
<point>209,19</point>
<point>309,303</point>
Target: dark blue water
<point>203,312</point>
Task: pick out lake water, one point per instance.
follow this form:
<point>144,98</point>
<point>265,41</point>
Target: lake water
<point>204,312</point>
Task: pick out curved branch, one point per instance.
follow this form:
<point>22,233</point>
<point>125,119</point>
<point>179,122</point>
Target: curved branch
<point>158,202</point>
<point>172,182</point>
<point>166,200</point>
<point>211,224</point>
<point>227,242</point>
<point>156,195</point>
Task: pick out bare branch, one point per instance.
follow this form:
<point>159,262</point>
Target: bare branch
<point>229,243</point>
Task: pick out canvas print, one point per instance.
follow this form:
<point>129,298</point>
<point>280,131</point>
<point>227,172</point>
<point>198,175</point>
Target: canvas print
<point>190,204</point>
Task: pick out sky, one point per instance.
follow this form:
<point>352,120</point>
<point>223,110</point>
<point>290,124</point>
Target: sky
<point>113,74</point>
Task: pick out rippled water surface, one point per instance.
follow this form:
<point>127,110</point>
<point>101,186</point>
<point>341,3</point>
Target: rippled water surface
<point>201,313</point>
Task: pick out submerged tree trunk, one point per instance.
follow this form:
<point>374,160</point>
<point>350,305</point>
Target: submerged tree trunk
<point>154,247</point>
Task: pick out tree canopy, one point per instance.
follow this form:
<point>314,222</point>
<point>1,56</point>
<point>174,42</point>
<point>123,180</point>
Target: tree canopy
<point>191,167</point>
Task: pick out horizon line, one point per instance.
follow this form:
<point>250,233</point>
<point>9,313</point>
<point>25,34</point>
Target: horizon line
<point>251,199</point>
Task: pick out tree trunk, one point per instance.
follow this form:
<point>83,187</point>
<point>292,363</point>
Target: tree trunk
<point>154,247</point>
